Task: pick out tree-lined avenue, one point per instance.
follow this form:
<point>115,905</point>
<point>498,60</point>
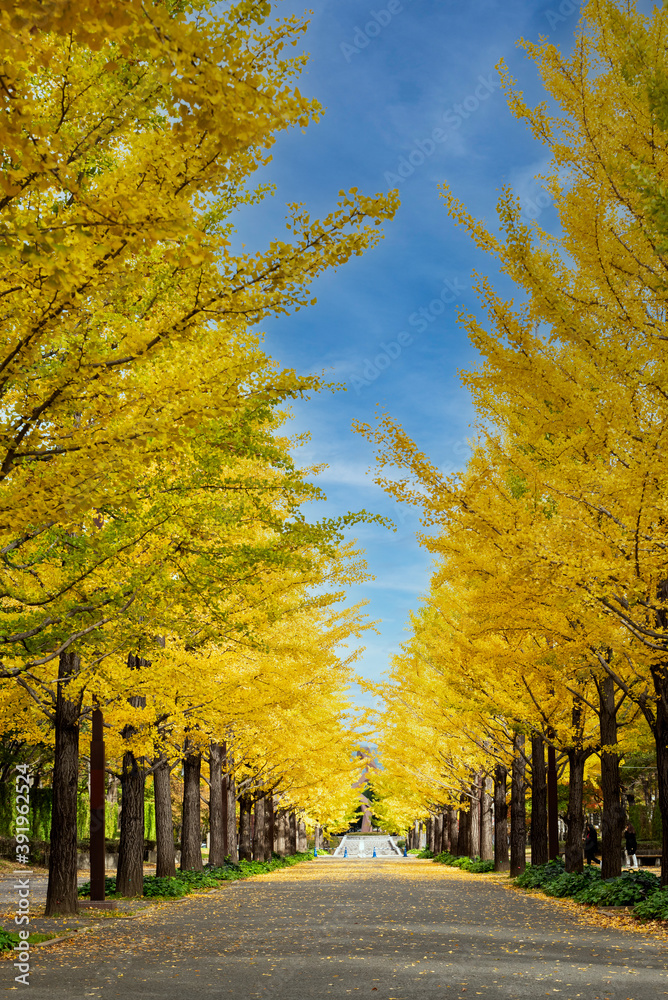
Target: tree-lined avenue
<point>402,928</point>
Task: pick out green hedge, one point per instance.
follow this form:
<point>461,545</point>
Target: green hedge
<point>209,878</point>
<point>466,864</point>
<point>640,889</point>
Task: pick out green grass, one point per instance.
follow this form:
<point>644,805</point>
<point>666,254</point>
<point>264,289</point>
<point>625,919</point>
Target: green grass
<point>8,939</point>
<point>184,883</point>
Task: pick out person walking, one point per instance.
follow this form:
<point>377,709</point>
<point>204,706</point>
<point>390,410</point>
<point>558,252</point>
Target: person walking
<point>631,846</point>
<point>591,844</point>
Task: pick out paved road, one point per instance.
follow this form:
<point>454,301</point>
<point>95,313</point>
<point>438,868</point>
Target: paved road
<point>403,928</point>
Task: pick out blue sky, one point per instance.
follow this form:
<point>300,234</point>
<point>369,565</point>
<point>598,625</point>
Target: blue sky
<point>388,74</point>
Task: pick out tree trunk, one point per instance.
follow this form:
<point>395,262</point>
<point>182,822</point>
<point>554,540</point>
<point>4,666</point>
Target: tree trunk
<point>660,677</point>
<point>245,806</point>
<point>463,836</point>
<point>130,873</point>
<point>553,802</point>
<point>445,832</point>
<point>225,816</point>
<point>281,824</point>
<point>217,831</point>
<point>614,814</point>
<point>438,833</point>
<point>269,826</point>
<point>293,834</point>
<point>539,852</point>
<point>97,803</point>
<point>232,848</point>
<point>474,819</point>
<point>500,819</point>
<point>453,828</point>
<point>258,830</point>
<point>191,826</point>
<point>486,820</point>
<point>575,816</point>
<point>164,826</point>
<point>518,829</point>
<point>61,894</point>
<point>302,839</point>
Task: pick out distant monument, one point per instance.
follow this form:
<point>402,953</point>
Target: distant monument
<point>365,753</point>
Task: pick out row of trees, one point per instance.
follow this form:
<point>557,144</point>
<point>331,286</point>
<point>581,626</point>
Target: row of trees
<point>546,622</point>
<point>155,561</point>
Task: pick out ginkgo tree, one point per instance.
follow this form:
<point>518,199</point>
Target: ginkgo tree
<point>129,139</point>
<point>570,392</point>
<point>129,136</point>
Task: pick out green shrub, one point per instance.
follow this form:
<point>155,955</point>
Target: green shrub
<point>641,888</point>
<point>425,853</point>
<point>569,884</point>
<point>626,890</point>
<point>481,866</point>
<point>173,887</point>
<point>655,907</point>
<point>536,876</point>
<point>466,864</point>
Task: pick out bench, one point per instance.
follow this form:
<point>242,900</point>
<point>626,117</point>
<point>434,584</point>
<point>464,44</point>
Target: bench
<point>649,859</point>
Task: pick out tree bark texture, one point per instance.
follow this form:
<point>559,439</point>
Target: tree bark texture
<point>302,839</point>
<point>660,677</point>
<point>258,830</point>
<point>269,824</point>
<point>463,836</point>
<point>539,851</point>
<point>191,826</point>
<point>164,825</point>
<point>518,829</point>
<point>438,833</point>
<point>445,832</point>
<point>486,820</point>
<point>575,815</point>
<point>97,804</point>
<point>474,819</point>
<point>61,894</point>
<point>453,827</point>
<point>232,843</point>
<point>292,849</point>
<point>614,814</point>
<point>130,873</point>
<point>245,807</point>
<point>217,831</point>
<point>500,819</point>
<point>281,834</point>
<point>552,802</point>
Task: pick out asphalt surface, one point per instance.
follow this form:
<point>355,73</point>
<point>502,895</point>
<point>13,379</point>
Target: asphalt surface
<point>403,928</point>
